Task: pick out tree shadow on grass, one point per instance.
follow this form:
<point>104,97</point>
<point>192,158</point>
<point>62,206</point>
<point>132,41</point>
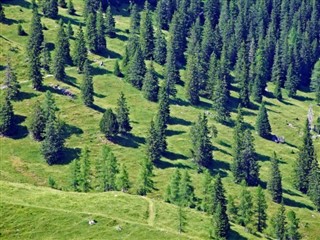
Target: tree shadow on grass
<point>107,53</point>
<point>223,143</point>
<point>98,71</point>
<point>204,105</point>
<point>235,235</point>
<point>98,108</point>
<point>69,154</point>
<point>70,130</point>
<point>170,133</point>
<point>179,121</point>
<point>286,103</point>
<point>128,140</point>
<point>303,98</point>
<point>26,95</point>
<point>9,21</point>
<point>121,37</point>
<point>179,102</point>
<point>288,191</point>
<point>20,132</point>
<point>293,203</point>
<point>164,164</point>
<point>21,3</point>
<point>66,19</point>
<point>99,95</point>
<point>174,156</point>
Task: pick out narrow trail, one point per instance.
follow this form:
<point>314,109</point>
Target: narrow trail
<point>152,212</point>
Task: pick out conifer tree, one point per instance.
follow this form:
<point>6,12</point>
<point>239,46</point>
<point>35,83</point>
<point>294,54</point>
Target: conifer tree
<point>116,70</point>
<point>201,144</point>
<point>101,171</point>
<point>11,83</point>
<point>314,184</point>
<point>171,74</point>
<point>70,31</point>
<point>46,58</point>
<point>50,8</point>
<point>220,100</point>
<point>85,171</point>
<point>111,172</point>
<point>146,32</point>
<point>136,69</point>
<point>160,127</point>
<point>277,74</point>
<point>150,86</point>
<point>60,56</point>
<point>186,190</point>
<point>232,208</point>
<point>164,106</point>
<point>262,122</point>
<point>134,19</point>
<point>145,183</point>
<point>87,86</point>
<point>122,113</point>
<point>101,43</point>
<point>123,182</point>
<point>173,189</point>
<point>182,219</point>
<point>160,47</point>
<point>164,12</point>
<point>291,82</point>
<point>35,73</point>
<point>212,11</point>
<point>80,53</point>
<point>2,15</point>
<point>275,181</point>
<point>277,90</point>
<point>278,223</point>
<point>260,208</point>
<point>206,191</point>
<point>192,81</point>
<point>37,122</point>
<point>7,123</point>
<point>306,157</point>
<point>110,23</point>
<point>208,41</point>
<point>52,145</point>
<point>49,107</point>
<point>109,124</point>
<point>71,9</point>
<point>292,231</point>
<point>153,144</point>
<point>245,208</point>
<point>62,3</point>
<point>212,75</point>
<point>91,33</point>
<point>76,175</point>
<point>315,81</point>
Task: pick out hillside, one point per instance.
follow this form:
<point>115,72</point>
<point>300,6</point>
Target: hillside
<point>32,210</point>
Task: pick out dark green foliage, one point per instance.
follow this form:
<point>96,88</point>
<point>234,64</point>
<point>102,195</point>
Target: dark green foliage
<point>37,122</point>
<point>110,23</point>
<point>20,30</point>
<point>71,9</point>
<point>116,69</point>
<point>70,31</point>
<point>101,43</point>
<point>137,69</point>
<point>186,190</point>
<point>201,144</point>
<point>49,107</point>
<point>46,58</point>
<point>161,127</point>
<point>109,125</point>
<point>150,86</point>
<point>317,125</point>
<point>52,145</point>
<point>123,182</point>
<point>153,144</point>
<point>278,223</point>
<point>62,3</point>
<point>245,209</point>
<point>263,127</point>
<point>260,208</point>
<point>80,50</point>
<point>304,162</point>
<point>173,189</point>
<point>206,191</point>
<point>91,33</point>
<point>160,47</point>
<point>2,15</point>
<point>314,185</point>
<point>220,100</point>
<point>277,90</point>
<point>146,32</point>
<point>11,83</point>
<point>315,81</point>
<point>171,74</point>
<point>232,208</point>
<point>134,19</point>
<point>275,181</point>
<point>87,86</point>
<point>76,175</point>
<point>7,123</point>
<point>164,13</point>
<point>101,165</point>
<point>111,172</point>
<point>85,171</point>
<point>212,11</point>
<point>164,106</point>
<point>292,231</point>
<point>145,183</point>
<point>291,82</point>
<point>122,113</point>
<point>50,8</point>
<point>182,219</point>
<point>242,77</point>
<point>192,80</point>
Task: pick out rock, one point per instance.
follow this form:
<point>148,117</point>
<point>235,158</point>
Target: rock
<point>92,222</point>
<point>118,228</point>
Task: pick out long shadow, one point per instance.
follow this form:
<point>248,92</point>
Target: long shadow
<point>223,143</point>
<point>69,130</point>
<point>128,140</point>
<point>293,203</point>
<point>69,154</point>
<point>21,3</point>
<point>235,235</point>
<point>287,191</point>
<point>179,121</point>
<point>179,102</point>
<point>99,95</point>
<point>26,95</point>
<point>269,104</point>
<point>170,133</point>
<point>262,184</point>
<point>248,113</point>
<point>262,158</point>
<point>287,103</point>
<point>98,108</point>
<point>20,132</point>
<point>164,164</point>
<point>204,105</point>
<point>217,164</point>
<point>50,46</point>
<point>98,70</point>
<point>268,95</point>
<point>233,104</point>
<point>66,19</point>
<point>109,54</point>
<point>121,37</point>
<point>290,145</point>
<point>303,98</point>
<point>72,81</point>
<point>214,148</point>
<point>174,156</point>
<point>140,140</point>
<point>9,21</point>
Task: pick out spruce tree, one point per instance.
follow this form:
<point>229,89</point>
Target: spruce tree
<point>314,185</point>
<point>46,58</point>
<point>111,172</point>
<point>37,122</point>
<point>109,124</point>
<point>206,191</point>
<point>60,59</point>
<point>164,13</point>
<point>110,23</point>
<point>245,209</point>
<point>49,107</point>
<point>52,145</point>
<point>275,181</point>
<point>160,47</point>
<point>220,100</point>
<point>171,74</point>
<point>306,157</point>
<point>85,171</point>
<point>71,9</point>
<point>186,190</point>
<point>134,19</point>
<point>201,144</point>
<point>292,231</point>
<point>278,223</point>
<point>101,171</point>
<point>76,175</point>
<point>70,31</point>
<point>150,86</point>
<point>122,113</point>
<point>291,82</point>
<point>146,32</point>
<point>91,33</point>
<point>145,183</point>
<point>232,208</point>
<point>7,123</point>
<point>212,11</point>
<point>260,208</point>
<point>80,52</point>
<point>263,127</point>
<point>277,90</point>
<point>101,43</point>
<point>315,81</point>
<point>160,127</point>
<point>50,8</point>
<point>11,83</point>
<point>173,189</point>
<point>137,69</point>
<point>116,70</point>
<point>182,219</point>
<point>87,86</point>
<point>192,81</point>
<point>153,144</point>
<point>164,106</point>
<point>2,15</point>
<point>123,182</point>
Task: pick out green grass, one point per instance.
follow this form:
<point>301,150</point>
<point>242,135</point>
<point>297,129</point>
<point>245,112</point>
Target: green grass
<point>21,161</point>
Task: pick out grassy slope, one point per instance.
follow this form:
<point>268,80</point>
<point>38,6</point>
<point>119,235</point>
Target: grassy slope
<point>22,162</point>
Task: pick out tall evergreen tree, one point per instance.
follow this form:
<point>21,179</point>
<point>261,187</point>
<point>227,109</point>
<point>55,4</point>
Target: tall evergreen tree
<point>80,53</point>
<point>85,171</point>
<point>116,69</point>
<point>262,122</point>
<point>11,83</point>
<point>37,122</point>
<point>109,125</point>
<point>49,107</point>
<point>160,47</point>
<point>212,11</point>
<point>171,74</point>
<point>220,100</point>
<point>122,113</point>
<point>91,33</point>
<point>292,231</point>
<point>275,181</point>
<point>173,189</point>
<point>50,8</point>
<point>291,82</point>
<point>315,81</point>
<point>134,19</point>
<point>46,58</point>
<point>145,183</point>
<point>206,191</point>
<point>146,32</point>
<point>100,31</point>
<point>153,144</point>
<point>101,172</point>
<point>260,208</point>
<point>277,90</point>
<point>314,185</point>
<point>137,69</point>
<point>164,106</point>
<point>201,144</point>
<point>60,56</point>
<point>192,80</point>
<point>278,223</point>
<point>111,172</point>
<point>164,12</point>
<point>245,208</point>
<point>7,123</point>
<point>186,191</point>
<point>110,23</point>
<point>150,86</point>
<point>123,182</point>
<point>87,86</point>
<point>76,175</point>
